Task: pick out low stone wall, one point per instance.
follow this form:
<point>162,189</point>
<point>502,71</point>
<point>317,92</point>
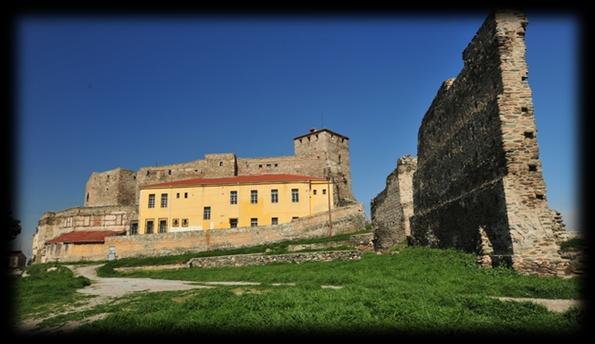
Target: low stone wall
<point>262,259</point>
<point>318,246</point>
<point>345,220</point>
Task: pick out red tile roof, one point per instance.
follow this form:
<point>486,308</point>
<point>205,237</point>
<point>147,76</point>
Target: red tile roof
<point>84,237</point>
<point>263,178</point>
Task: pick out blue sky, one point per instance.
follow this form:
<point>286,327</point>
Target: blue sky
<point>100,93</point>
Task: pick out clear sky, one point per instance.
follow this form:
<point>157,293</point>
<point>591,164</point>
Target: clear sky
<point>100,93</point>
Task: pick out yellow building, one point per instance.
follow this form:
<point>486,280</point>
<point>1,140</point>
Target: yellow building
<point>242,201</point>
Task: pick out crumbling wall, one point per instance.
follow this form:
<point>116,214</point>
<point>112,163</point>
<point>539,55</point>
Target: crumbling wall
<point>393,207</point>
<point>53,224</point>
<point>478,183</point>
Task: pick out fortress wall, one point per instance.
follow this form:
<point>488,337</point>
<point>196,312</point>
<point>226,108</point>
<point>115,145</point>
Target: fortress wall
<point>345,220</point>
<point>478,184</point>
<point>393,207</point>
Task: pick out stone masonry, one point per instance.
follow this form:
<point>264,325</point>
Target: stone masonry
<point>393,207</point>
<point>478,184</point>
<point>319,153</point>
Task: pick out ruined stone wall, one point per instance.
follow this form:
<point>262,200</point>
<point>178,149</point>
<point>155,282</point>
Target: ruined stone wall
<point>53,224</point>
<point>113,187</point>
<point>478,161</point>
<point>393,207</point>
<point>345,220</point>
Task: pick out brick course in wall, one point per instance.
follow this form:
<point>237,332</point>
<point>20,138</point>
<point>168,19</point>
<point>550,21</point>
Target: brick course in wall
<point>478,184</point>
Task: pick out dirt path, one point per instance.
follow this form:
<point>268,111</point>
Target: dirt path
<point>553,305</point>
<point>114,287</point>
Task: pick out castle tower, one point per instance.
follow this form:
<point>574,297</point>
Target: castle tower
<point>328,153</point>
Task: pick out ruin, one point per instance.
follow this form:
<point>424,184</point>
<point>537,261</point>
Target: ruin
<point>478,184</point>
<point>392,209</point>
<point>111,197</point>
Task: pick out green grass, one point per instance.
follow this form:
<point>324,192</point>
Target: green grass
<point>574,244</point>
<point>274,248</point>
<point>417,290</point>
<point>43,292</point>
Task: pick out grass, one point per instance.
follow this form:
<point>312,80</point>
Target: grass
<point>416,290</point>
<point>45,291</point>
<point>107,270</point>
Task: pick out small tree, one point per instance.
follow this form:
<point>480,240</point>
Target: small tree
<point>14,226</point>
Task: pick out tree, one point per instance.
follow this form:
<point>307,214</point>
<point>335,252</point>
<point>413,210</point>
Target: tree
<point>14,226</point>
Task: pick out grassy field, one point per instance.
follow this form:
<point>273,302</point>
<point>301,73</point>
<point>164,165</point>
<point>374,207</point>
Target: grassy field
<point>416,290</point>
<point>46,291</point>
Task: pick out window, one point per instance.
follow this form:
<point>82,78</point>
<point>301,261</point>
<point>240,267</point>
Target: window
<point>175,223</point>
<point>206,214</point>
<point>149,227</point>
<point>314,191</point>
<point>162,226</point>
<point>276,165</point>
<point>184,222</point>
<point>295,218</point>
<point>233,197</point>
<point>253,222</point>
<point>220,163</point>
<point>274,220</point>
<point>274,196</point>
<point>134,228</point>
<point>295,196</point>
<point>253,196</point>
<point>87,197</point>
<point>260,166</point>
<point>268,165</point>
<point>178,195</point>
<point>233,223</point>
<point>164,200</point>
<point>324,191</point>
<point>152,201</point>
<point>185,195</point>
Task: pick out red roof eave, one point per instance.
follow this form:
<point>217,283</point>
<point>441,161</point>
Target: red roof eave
<point>84,237</point>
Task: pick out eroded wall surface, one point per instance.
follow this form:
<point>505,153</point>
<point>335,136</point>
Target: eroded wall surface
<point>392,209</point>
<point>478,184</point>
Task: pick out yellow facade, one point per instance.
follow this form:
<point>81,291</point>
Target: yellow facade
<point>185,208</point>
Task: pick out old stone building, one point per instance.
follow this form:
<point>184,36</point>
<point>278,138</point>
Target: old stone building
<point>478,184</point>
<point>111,198</point>
<point>392,209</point>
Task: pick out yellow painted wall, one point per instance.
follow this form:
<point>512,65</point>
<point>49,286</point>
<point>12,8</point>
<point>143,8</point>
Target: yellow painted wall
<point>218,198</point>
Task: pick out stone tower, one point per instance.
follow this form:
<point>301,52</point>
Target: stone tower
<point>327,152</point>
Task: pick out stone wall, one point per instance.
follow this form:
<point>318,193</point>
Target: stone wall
<point>262,259</point>
<point>53,224</point>
<point>478,184</point>
<point>392,209</point>
<point>347,219</point>
<point>113,187</point>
